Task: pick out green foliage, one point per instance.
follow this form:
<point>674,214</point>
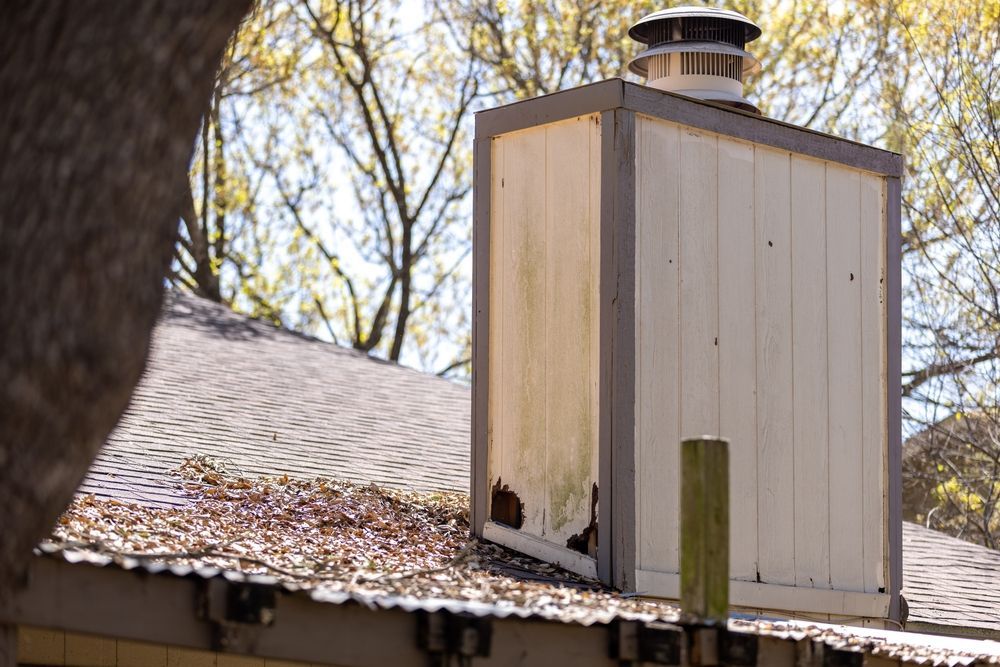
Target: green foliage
<point>331,186</point>
<point>951,477</point>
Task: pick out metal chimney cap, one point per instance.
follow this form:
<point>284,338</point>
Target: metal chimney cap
<point>640,31</point>
<point>638,64</point>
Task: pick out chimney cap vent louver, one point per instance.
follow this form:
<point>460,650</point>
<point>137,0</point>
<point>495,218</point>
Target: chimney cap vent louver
<point>640,32</point>
<point>698,52</point>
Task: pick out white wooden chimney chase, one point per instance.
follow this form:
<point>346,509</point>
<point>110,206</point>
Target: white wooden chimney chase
<point>651,267</point>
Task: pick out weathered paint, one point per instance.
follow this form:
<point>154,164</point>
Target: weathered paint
<point>778,268</point>
<point>705,530</point>
<point>543,343</point>
<point>770,378</point>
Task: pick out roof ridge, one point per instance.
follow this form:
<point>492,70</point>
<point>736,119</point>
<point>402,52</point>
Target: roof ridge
<point>174,298</point>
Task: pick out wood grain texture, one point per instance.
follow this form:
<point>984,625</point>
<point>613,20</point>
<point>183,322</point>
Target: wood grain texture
<point>570,439</point>
<point>705,530</point>
<point>843,240</point>
<point>657,344</point>
<point>809,363</point>
<point>618,242</point>
<point>544,353</point>
<point>775,492</point>
<point>893,371</point>
<point>521,344</point>
<point>874,417</point>
<point>594,381</point>
<point>699,283</point>
<point>495,382</point>
<point>737,349</point>
<point>482,328</point>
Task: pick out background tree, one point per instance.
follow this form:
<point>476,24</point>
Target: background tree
<point>330,189</point>
<point>951,128</point>
<point>354,224</point>
<point>930,71</point>
<point>96,129</point>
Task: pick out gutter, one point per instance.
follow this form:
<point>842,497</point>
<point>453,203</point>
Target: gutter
<point>211,610</point>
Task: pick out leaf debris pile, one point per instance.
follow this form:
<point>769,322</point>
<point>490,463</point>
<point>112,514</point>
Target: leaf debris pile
<point>337,536</point>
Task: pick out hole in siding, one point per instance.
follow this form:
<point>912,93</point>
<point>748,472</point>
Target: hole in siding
<point>506,507</point>
<point>852,276</point>
<point>586,541</point>
<point>770,245</point>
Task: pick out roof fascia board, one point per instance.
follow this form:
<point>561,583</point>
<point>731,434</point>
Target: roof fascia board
<point>162,609</point>
<point>964,632</point>
<point>759,129</point>
<point>617,93</point>
<point>592,98</point>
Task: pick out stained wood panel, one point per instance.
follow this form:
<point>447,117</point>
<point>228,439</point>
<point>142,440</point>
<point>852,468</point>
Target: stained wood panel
<point>522,318</point>
<point>775,452</point>
<point>657,345</point>
<point>809,378</point>
<point>543,331</point>
<point>569,287</point>
<point>760,316</point>
<point>737,349</point>
<point>843,256</point>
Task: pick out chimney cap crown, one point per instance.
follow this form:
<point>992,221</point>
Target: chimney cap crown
<point>640,32</point>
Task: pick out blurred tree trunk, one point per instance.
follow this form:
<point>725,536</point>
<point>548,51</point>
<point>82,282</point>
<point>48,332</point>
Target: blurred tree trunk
<point>100,103</point>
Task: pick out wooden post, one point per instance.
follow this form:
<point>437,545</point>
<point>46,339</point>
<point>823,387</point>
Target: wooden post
<point>704,535</point>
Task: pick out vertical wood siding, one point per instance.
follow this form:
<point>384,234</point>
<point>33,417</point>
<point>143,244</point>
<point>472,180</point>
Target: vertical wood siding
<point>543,325</point>
<point>811,399</point>
<point>738,353</point>
<point>761,318</point>
<point>657,290</point>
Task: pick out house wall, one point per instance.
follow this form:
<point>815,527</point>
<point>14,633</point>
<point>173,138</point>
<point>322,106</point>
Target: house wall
<point>761,317</point>
<point>37,646</point>
<point>543,331</point>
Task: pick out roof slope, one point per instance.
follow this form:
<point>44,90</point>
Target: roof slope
<point>271,401</point>
<point>340,545</point>
<point>950,582</point>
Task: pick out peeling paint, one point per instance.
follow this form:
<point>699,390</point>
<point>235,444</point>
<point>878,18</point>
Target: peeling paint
<point>586,541</point>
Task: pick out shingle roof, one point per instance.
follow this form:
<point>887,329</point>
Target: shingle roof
<point>950,582</point>
<point>269,400</point>
<point>273,402</point>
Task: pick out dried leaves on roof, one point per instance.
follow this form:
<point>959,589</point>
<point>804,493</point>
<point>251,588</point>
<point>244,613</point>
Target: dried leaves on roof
<point>340,537</point>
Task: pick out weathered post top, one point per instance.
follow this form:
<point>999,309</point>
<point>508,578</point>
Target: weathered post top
<point>704,534</point>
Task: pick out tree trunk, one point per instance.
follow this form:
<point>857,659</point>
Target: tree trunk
<point>99,106</point>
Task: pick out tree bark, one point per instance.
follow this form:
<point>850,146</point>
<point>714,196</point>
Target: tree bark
<point>100,103</point>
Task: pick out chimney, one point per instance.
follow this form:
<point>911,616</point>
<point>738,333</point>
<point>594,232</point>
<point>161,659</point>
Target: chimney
<point>698,52</point>
<point>650,268</point>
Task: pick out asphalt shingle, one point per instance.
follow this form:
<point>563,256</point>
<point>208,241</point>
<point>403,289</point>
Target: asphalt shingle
<point>274,402</point>
<point>950,582</point>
